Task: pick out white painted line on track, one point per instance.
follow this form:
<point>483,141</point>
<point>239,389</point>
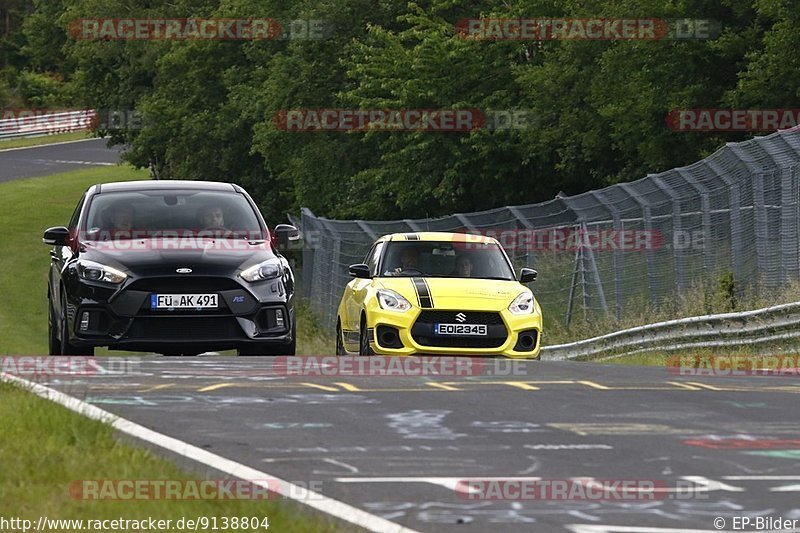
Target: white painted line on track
<point>45,145</point>
<point>300,494</point>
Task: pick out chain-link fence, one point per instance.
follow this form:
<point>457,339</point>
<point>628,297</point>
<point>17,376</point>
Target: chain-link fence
<point>733,214</point>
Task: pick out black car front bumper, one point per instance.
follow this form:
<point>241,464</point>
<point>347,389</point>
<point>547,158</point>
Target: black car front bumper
<point>122,318</point>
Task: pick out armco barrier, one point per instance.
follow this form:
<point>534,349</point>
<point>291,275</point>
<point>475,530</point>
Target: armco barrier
<point>750,328</point>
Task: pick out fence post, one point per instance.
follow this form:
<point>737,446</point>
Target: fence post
<point>760,219</point>
<point>789,221</point>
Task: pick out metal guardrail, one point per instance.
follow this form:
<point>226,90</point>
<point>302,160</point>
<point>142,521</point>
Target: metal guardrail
<point>29,124</point>
<point>761,326</point>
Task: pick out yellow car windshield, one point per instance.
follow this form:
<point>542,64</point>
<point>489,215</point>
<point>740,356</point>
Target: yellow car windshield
<point>442,259</point>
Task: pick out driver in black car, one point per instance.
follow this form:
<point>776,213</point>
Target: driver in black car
<point>212,217</point>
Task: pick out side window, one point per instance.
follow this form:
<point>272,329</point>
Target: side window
<point>374,258</point>
<point>76,215</point>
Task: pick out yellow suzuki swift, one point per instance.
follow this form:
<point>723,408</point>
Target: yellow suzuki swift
<point>438,293</point>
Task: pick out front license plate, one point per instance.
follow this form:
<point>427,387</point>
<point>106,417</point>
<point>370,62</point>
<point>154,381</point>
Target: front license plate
<point>460,329</point>
<point>183,301</point>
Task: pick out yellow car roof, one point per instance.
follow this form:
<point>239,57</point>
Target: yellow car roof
<point>438,236</point>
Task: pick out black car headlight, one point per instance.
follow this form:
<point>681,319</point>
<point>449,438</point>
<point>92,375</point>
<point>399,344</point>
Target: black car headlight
<point>91,271</point>
<point>262,271</point>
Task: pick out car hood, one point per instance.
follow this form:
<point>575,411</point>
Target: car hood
<point>153,257</point>
<point>455,293</point>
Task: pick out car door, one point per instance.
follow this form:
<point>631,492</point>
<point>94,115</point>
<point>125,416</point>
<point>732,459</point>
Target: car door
<point>60,256</point>
<point>358,288</point>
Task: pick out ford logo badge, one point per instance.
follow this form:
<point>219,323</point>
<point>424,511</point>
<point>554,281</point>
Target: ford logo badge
<point>184,271</point>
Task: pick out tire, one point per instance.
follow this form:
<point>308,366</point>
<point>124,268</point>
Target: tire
<point>363,342</point>
<point>67,348</point>
<point>340,351</point>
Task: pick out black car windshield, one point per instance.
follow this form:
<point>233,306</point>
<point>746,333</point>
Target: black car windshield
<point>166,213</point>
<point>442,259</point>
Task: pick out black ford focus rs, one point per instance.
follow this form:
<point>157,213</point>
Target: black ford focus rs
<point>174,267</point>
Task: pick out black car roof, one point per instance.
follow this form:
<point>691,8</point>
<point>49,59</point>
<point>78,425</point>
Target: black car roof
<point>149,185</point>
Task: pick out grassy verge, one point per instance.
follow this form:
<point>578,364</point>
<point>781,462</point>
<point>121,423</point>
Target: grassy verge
<point>47,447</point>
<point>44,139</point>
<point>312,338</point>
<point>27,208</point>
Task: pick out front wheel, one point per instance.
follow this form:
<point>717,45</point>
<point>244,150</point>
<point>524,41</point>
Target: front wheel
<point>363,340</point>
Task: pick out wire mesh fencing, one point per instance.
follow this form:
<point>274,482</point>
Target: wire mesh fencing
<point>630,245</point>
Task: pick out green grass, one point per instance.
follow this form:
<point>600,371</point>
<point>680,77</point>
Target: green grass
<point>45,139</point>
<point>47,447</point>
<point>312,338</point>
<point>27,208</point>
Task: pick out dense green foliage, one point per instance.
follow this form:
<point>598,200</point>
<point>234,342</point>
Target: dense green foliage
<point>599,106</point>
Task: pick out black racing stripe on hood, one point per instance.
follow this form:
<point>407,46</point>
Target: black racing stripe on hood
<point>424,297</point>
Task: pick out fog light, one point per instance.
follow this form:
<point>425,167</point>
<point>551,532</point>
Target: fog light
<point>279,317</point>
<point>84,321</point>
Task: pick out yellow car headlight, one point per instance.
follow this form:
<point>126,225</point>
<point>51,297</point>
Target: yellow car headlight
<point>522,304</point>
<point>392,301</point>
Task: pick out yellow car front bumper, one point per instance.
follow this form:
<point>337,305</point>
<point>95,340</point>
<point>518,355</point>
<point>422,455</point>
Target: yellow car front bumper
<point>530,326</point>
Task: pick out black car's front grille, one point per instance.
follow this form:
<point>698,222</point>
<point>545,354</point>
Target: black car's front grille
<point>184,328</point>
<point>449,317</point>
<point>422,331</point>
<point>184,284</point>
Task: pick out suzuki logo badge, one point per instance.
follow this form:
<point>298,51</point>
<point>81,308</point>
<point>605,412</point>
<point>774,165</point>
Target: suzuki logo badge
<point>184,271</point>
<point>461,317</point>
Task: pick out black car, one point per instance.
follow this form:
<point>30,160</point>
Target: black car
<point>174,267</point>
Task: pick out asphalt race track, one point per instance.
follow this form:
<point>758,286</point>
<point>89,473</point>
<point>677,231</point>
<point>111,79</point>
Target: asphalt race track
<point>397,447</point>
<point>52,158</point>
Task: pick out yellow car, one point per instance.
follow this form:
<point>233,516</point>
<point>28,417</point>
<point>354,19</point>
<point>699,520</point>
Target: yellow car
<point>438,293</point>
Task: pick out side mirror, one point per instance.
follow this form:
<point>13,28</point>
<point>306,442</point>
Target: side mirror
<point>360,271</point>
<point>285,234</point>
<point>56,236</point>
<point>526,275</point>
